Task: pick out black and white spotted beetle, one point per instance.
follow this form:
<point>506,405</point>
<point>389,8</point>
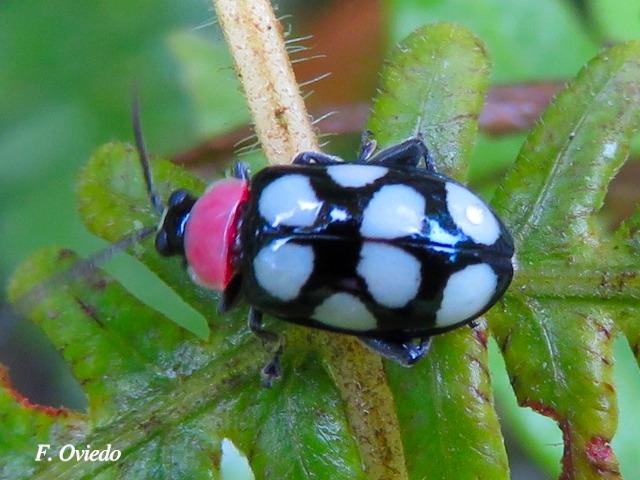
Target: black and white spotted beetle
<point>383,248</point>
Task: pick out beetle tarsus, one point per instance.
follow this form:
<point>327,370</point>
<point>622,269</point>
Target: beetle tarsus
<point>405,154</point>
<point>368,145</point>
<point>404,353</point>
<point>317,158</point>
<point>271,371</point>
<point>256,327</point>
<point>240,170</point>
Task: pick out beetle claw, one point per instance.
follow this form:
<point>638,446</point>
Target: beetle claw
<point>271,372</point>
<point>403,353</point>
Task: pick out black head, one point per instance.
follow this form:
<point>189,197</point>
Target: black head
<point>170,236</point>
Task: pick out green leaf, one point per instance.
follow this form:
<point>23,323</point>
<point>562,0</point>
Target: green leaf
<point>627,243</point>
<point>448,397</point>
<point>538,436</point>
<point>123,206</point>
<point>305,430</point>
<point>143,375</point>
<point>582,141</point>
<point>435,82</point>
<point>24,426</point>
<point>555,325</point>
<point>526,41</point>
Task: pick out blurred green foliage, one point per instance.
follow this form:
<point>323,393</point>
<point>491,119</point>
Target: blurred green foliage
<point>615,20</point>
<point>67,72</point>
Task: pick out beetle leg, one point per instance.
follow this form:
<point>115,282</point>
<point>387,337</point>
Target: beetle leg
<point>240,170</point>
<point>404,353</point>
<point>408,154</point>
<point>230,295</point>
<point>368,145</point>
<point>271,371</point>
<point>317,158</point>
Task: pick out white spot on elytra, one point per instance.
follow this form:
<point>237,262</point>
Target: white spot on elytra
<point>394,211</point>
<point>610,150</point>
<point>291,201</point>
<point>439,235</point>
<point>338,215</point>
<point>283,268</point>
<point>343,310</point>
<point>353,176</point>
<point>471,215</point>
<point>392,275</point>
<point>467,292</point>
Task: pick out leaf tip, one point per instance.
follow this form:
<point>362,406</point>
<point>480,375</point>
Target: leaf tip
<point>5,384</point>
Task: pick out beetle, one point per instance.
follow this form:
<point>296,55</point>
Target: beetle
<point>384,248</point>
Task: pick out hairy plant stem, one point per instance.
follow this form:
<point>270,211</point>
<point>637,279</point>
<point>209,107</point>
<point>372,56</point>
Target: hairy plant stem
<point>284,129</point>
<point>255,39</point>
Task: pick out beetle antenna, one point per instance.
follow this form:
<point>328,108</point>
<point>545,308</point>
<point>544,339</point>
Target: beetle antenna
<point>156,203</point>
<point>80,269</point>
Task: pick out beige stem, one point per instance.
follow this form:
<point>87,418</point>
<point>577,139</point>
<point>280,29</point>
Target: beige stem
<point>255,38</point>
